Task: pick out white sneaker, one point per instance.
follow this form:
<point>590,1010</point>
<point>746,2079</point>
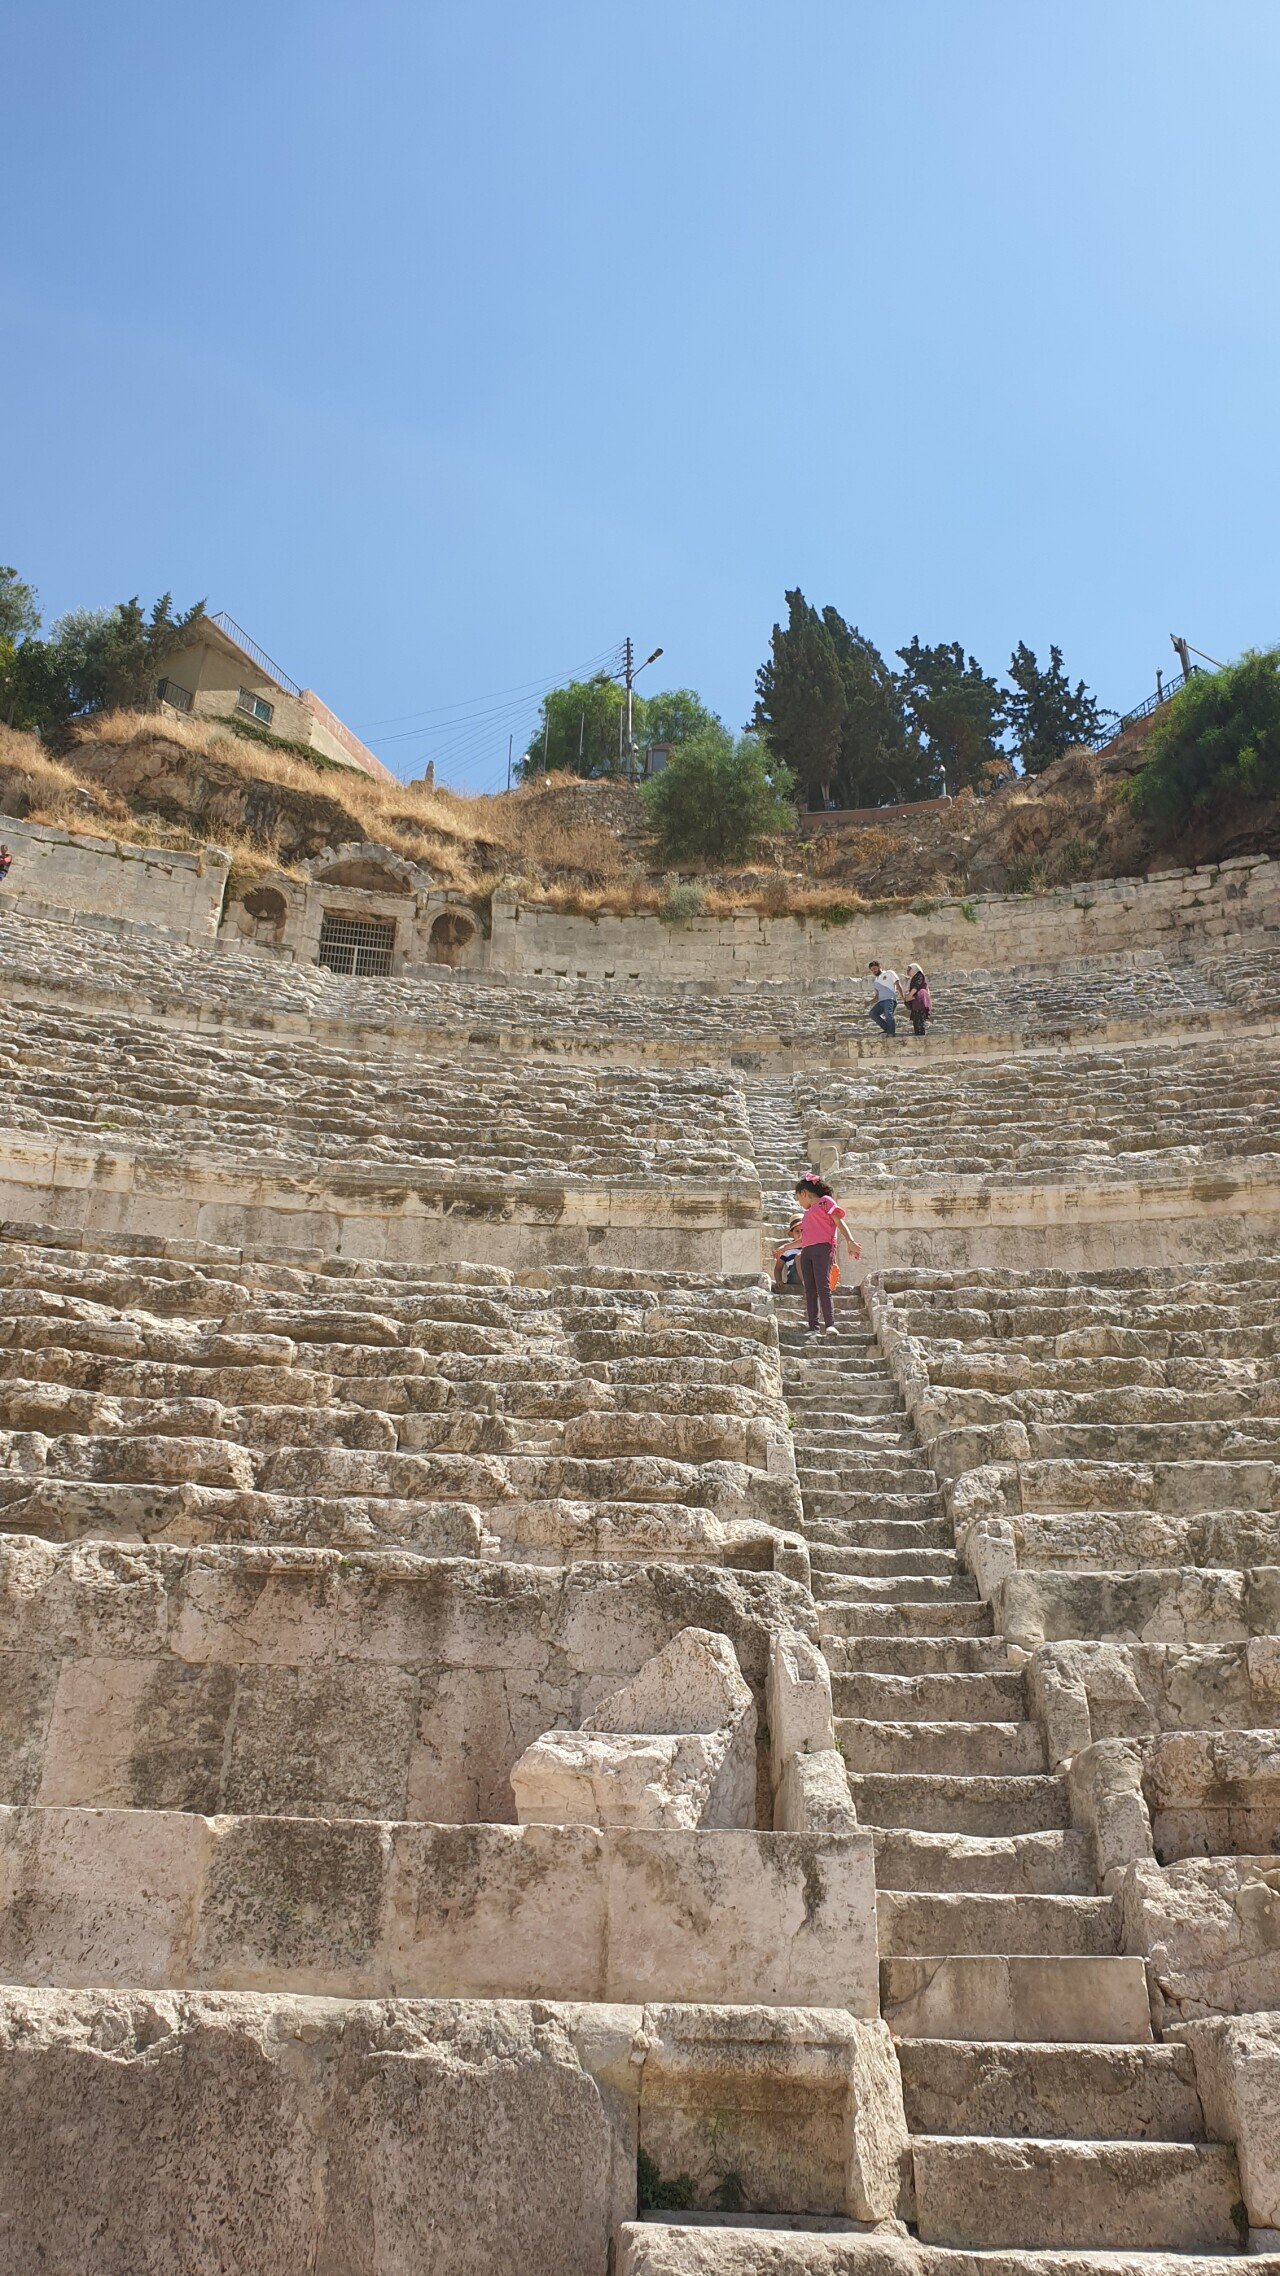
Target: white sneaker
<point>831,1331</point>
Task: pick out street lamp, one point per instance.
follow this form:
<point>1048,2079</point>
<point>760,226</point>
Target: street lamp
<point>631,673</point>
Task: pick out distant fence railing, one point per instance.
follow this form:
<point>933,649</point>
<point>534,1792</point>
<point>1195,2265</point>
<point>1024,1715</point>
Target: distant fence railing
<point>1154,702</point>
<point>241,638</point>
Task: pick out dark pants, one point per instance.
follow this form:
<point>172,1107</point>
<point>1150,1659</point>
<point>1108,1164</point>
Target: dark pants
<point>881,1012</point>
<point>815,1271</point>
<point>918,1015</point>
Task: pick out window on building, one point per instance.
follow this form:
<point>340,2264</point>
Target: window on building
<point>179,698</point>
<point>256,706</point>
<point>363,945</point>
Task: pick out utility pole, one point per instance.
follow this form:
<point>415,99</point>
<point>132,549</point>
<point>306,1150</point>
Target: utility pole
<point>1183,654</point>
<point>631,673</point>
<point>546,735</point>
<point>510,742</point>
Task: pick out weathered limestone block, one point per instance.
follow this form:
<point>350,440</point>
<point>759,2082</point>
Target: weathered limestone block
<point>797,1701</point>
<point>1210,1930</point>
<point>1213,1792</point>
<point>674,1746</point>
<point>803,2118</point>
<point>1085,1691</point>
<point>307,1682</point>
<point>149,2133</point>
<point>813,1795</point>
<point>1238,2078</point>
<point>1108,1803</point>
<point>1181,1606</point>
<point>360,1910</point>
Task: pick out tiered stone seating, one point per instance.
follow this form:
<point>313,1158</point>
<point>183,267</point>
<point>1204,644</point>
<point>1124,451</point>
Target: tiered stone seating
<point>1133,1417</point>
<point>629,1018</point>
<point>1247,976</point>
<point>1078,1117</point>
<point>486,1117</point>
<point>371,1846</point>
<point>149,1397</point>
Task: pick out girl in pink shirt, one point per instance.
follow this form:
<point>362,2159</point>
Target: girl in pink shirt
<point>820,1228</point>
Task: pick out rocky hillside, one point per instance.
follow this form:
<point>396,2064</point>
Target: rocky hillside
<point>585,846</point>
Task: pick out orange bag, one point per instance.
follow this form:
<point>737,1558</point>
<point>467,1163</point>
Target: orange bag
<point>834,1281</point>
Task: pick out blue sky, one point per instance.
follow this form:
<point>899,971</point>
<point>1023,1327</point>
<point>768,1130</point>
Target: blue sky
<point>443,345</point>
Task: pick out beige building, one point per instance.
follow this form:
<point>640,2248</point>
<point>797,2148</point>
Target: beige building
<point>225,675</point>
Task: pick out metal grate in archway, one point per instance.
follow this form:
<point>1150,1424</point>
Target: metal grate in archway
<point>362,945</point>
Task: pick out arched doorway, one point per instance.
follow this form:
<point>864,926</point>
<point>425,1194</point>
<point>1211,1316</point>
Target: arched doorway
<point>449,936</point>
<point>267,909</point>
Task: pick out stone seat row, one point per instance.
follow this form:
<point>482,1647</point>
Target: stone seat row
<point>569,1014</point>
<point>161,1090</point>
<point>261,1402</point>
<point>1083,1116</point>
<point>304,1682</point>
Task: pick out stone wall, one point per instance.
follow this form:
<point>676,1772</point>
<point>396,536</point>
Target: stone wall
<point>57,874</point>
<point>1178,910</point>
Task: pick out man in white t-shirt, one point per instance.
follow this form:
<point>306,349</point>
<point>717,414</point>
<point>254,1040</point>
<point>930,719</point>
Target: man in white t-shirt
<point>888,988</point>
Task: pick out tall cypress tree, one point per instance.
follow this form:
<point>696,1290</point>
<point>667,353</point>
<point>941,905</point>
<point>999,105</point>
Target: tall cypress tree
<point>1048,716</point>
<point>800,699</point>
<point>882,761</point>
<point>957,709</point>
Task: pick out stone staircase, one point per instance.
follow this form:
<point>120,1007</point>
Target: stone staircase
<point>780,1149</point>
<point>1019,2021</point>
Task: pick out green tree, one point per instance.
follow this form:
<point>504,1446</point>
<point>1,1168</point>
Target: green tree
<point>577,728</point>
<point>800,699</point>
<point>675,714</point>
<point>882,762</point>
<point>717,799</point>
<point>97,660</point>
<point>956,710</point>
<point>19,624</point>
<point>19,610</point>
<point>1219,738</point>
<point>1046,715</point>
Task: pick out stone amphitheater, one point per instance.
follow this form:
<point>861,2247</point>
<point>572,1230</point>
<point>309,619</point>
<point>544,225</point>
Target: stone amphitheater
<point>514,1757</point>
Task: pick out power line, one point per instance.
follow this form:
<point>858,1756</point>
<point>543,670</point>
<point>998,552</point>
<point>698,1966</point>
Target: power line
<point>463,708</point>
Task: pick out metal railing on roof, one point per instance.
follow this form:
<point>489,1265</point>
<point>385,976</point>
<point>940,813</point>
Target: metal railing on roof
<point>260,657</point>
<point>1106,735</point>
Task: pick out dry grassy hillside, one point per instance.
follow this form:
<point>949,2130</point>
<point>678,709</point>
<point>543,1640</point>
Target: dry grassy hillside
<point>584,846</point>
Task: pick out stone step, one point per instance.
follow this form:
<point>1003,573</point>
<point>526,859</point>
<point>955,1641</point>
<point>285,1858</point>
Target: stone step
<point>877,1474</point>
<point>993,1698</point>
<point>1097,1998</point>
<point>913,1618</point>
<point>754,2244</point>
<point>878,1435</point>
<point>961,1750</point>
<point>853,1503</point>
<point>927,1920</point>
<point>915,1655</point>
<point>1057,1863</point>
<point>1076,2093</point>
<point>934,1802</point>
<point>1162,2196</point>
<point>926,1591</point>
<point>880,1532</point>
<point>844,1557</point>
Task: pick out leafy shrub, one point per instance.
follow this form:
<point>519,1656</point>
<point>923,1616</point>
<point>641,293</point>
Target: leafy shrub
<point>969,911</point>
<point>683,903</point>
<point>838,913</point>
<point>716,800</point>
<point>654,2194</point>
<point>1219,737</point>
